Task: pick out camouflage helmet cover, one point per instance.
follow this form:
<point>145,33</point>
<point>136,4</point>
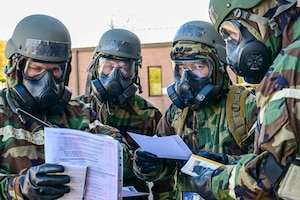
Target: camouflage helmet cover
<point>199,39</point>
<point>204,33</point>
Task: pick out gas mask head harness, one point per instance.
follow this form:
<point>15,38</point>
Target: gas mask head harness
<point>247,56</point>
<point>116,79</point>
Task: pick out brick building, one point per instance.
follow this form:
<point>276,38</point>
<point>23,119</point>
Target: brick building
<point>155,74</point>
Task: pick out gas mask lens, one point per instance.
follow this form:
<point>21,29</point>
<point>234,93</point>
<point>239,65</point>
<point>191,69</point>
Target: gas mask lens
<point>201,68</point>
<point>35,70</point>
<point>230,31</point>
<point>126,67</point>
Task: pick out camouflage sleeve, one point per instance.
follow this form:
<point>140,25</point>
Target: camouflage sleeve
<point>10,186</point>
<point>165,187</point>
<point>164,126</point>
<point>14,188</point>
<point>89,121</point>
<point>225,181</point>
<point>278,100</point>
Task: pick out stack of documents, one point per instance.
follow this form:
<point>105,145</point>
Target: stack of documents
<point>101,154</point>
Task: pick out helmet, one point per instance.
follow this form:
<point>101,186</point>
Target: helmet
<point>117,48</point>
<point>197,44</point>
<point>203,32</point>
<point>121,43</point>
<point>45,40</point>
<point>40,37</point>
<point>219,10</point>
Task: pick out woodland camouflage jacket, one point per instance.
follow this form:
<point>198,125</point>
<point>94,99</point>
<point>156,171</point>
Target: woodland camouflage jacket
<point>22,145</point>
<point>278,99</point>
<point>211,133</point>
<point>139,116</point>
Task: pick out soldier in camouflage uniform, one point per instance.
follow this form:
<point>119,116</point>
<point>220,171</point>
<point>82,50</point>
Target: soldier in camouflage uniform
<point>39,54</point>
<point>262,44</point>
<point>111,91</point>
<point>198,112</point>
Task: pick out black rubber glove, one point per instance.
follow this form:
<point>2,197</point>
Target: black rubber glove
<point>42,182</point>
<point>202,183</point>
<point>146,166</point>
<point>218,157</point>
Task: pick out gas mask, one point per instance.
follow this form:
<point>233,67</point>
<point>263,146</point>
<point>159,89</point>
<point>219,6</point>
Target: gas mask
<point>246,56</point>
<point>115,83</point>
<point>193,86</point>
<point>45,91</point>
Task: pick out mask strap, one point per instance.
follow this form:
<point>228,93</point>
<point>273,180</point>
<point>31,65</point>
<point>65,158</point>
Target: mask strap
<point>128,92</point>
<point>273,25</point>
<point>138,82</point>
<point>222,65</point>
<point>90,76</point>
<point>239,13</point>
<point>20,112</point>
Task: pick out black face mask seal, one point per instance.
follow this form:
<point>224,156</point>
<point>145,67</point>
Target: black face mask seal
<point>43,95</point>
<point>192,91</point>
<point>113,88</point>
<point>246,56</point>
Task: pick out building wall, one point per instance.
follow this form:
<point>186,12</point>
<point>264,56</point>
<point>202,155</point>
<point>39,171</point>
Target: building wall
<point>81,57</point>
<point>154,54</point>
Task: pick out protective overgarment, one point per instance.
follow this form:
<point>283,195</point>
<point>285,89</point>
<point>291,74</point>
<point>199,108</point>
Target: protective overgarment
<point>23,172</point>
<point>111,91</point>
<point>278,103</point>
<point>202,129</point>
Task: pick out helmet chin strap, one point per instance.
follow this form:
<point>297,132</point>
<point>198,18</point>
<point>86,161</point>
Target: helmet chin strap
<point>138,82</point>
<point>239,13</point>
<point>90,75</point>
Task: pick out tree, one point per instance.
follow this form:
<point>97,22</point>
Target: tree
<point>3,61</point>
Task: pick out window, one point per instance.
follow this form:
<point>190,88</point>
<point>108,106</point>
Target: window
<point>154,81</point>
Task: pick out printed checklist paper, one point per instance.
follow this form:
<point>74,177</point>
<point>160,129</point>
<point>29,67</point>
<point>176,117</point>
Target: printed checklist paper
<point>102,154</point>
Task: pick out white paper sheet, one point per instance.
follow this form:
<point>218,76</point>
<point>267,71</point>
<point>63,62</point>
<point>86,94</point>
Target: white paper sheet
<point>171,147</point>
<point>102,154</point>
<point>130,191</point>
<point>77,175</point>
